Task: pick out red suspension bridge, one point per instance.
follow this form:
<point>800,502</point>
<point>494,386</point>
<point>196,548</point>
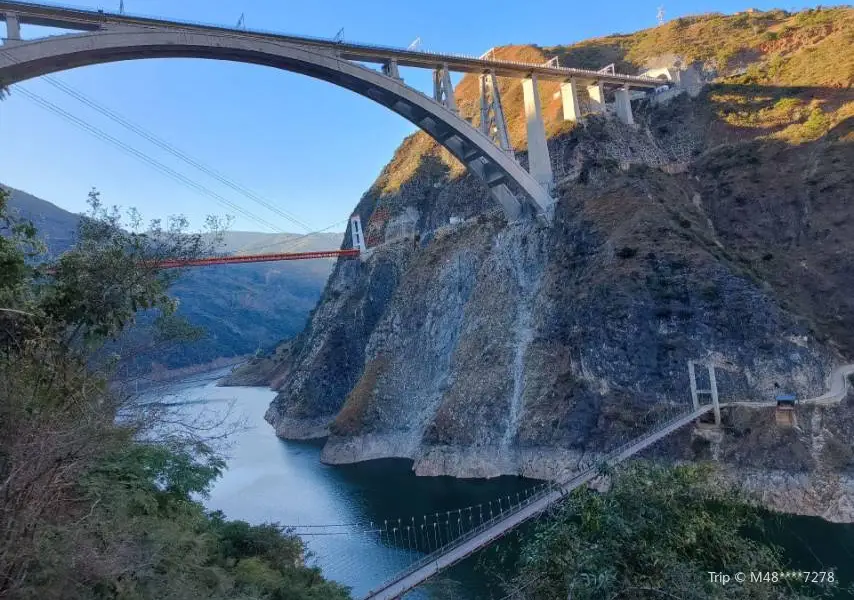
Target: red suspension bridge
<point>254,258</point>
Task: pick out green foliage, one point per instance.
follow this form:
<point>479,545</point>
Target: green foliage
<point>657,533</point>
<point>98,497</point>
<point>97,288</point>
<point>18,243</point>
<point>816,124</point>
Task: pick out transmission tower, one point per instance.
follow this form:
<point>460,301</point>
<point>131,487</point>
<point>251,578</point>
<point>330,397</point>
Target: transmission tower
<point>660,15</point>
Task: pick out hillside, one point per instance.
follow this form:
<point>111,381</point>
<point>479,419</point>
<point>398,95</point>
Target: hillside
<point>241,307</point>
<point>718,228</point>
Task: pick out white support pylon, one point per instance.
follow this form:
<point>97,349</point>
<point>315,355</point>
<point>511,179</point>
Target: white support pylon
<point>597,97</point>
<point>539,163</point>
<point>492,122</point>
<point>569,95</point>
<point>623,105</point>
<point>443,89</point>
<point>356,233</point>
<point>13,28</point>
<point>712,391</point>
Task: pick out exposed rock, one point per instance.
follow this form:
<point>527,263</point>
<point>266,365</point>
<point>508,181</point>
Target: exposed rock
<point>485,348</point>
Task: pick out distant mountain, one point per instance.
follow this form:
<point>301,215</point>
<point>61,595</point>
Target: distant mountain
<point>242,307</point>
<point>57,227</point>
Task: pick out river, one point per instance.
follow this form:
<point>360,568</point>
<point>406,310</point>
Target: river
<point>268,479</point>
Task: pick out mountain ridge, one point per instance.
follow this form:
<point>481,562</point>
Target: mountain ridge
<point>239,306</point>
<point>716,229</point>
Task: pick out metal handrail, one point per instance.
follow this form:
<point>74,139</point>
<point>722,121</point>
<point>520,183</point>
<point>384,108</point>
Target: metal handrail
<point>121,17</point>
<point>558,488</point>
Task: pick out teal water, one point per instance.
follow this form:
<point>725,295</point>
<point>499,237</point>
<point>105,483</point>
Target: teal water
<point>268,479</point>
<point>813,544</point>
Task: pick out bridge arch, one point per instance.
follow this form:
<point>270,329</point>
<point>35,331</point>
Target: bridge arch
<point>24,60</point>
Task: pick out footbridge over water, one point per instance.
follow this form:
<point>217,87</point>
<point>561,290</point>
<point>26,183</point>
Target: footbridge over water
<point>103,37</point>
<point>437,541</point>
<point>523,510</point>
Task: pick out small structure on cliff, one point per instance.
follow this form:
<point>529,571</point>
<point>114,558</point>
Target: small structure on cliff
<point>784,416</point>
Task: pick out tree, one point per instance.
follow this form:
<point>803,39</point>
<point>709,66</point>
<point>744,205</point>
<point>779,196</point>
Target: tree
<point>96,289</point>
<point>656,534</point>
<point>97,501</point>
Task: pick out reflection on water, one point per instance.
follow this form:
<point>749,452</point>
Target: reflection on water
<point>268,479</point>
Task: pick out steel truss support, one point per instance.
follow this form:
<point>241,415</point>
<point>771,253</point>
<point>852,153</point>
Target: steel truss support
<point>390,69</point>
<point>443,89</point>
<point>492,122</point>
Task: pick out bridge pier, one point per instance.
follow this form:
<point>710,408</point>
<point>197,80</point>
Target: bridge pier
<point>623,105</point>
<point>443,89</point>
<point>13,28</point>
<point>492,122</point>
<point>508,201</point>
<point>356,233</point>
<point>391,70</point>
<point>597,97</point>
<point>569,95</point>
<point>539,163</point>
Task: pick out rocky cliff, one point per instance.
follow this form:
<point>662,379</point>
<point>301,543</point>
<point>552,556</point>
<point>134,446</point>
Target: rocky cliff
<point>719,228</point>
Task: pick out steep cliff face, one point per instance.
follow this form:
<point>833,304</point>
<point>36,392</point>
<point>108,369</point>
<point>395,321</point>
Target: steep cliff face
<point>719,228</point>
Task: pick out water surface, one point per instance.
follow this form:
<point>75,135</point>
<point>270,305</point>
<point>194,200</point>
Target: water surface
<point>272,480</point>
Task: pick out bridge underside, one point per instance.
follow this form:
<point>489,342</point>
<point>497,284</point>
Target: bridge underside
<point>20,61</point>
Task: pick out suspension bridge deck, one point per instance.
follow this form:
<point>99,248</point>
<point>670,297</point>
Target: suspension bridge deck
<point>499,526</point>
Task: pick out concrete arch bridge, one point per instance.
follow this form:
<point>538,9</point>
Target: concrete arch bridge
<point>108,37</point>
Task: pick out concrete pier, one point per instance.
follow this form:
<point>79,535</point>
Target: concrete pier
<point>623,105</point>
<point>539,164</point>
<point>569,95</point>
<point>597,98</point>
<point>13,28</point>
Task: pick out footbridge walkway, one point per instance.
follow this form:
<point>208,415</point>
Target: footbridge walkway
<point>512,514</point>
<point>499,525</point>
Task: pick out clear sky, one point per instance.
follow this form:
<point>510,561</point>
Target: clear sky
<point>308,147</point>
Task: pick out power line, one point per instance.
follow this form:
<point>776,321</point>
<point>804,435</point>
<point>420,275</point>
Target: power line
<point>175,152</point>
<point>299,240</point>
<point>161,143</point>
<point>169,172</point>
<point>157,165</point>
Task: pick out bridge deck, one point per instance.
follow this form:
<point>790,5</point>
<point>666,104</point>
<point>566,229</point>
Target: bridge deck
<point>479,538</point>
<point>49,15</point>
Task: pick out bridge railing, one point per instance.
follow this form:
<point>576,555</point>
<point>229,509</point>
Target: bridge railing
<point>558,490</point>
<point>368,47</point>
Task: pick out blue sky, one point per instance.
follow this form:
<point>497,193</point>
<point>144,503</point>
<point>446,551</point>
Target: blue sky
<point>306,146</point>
